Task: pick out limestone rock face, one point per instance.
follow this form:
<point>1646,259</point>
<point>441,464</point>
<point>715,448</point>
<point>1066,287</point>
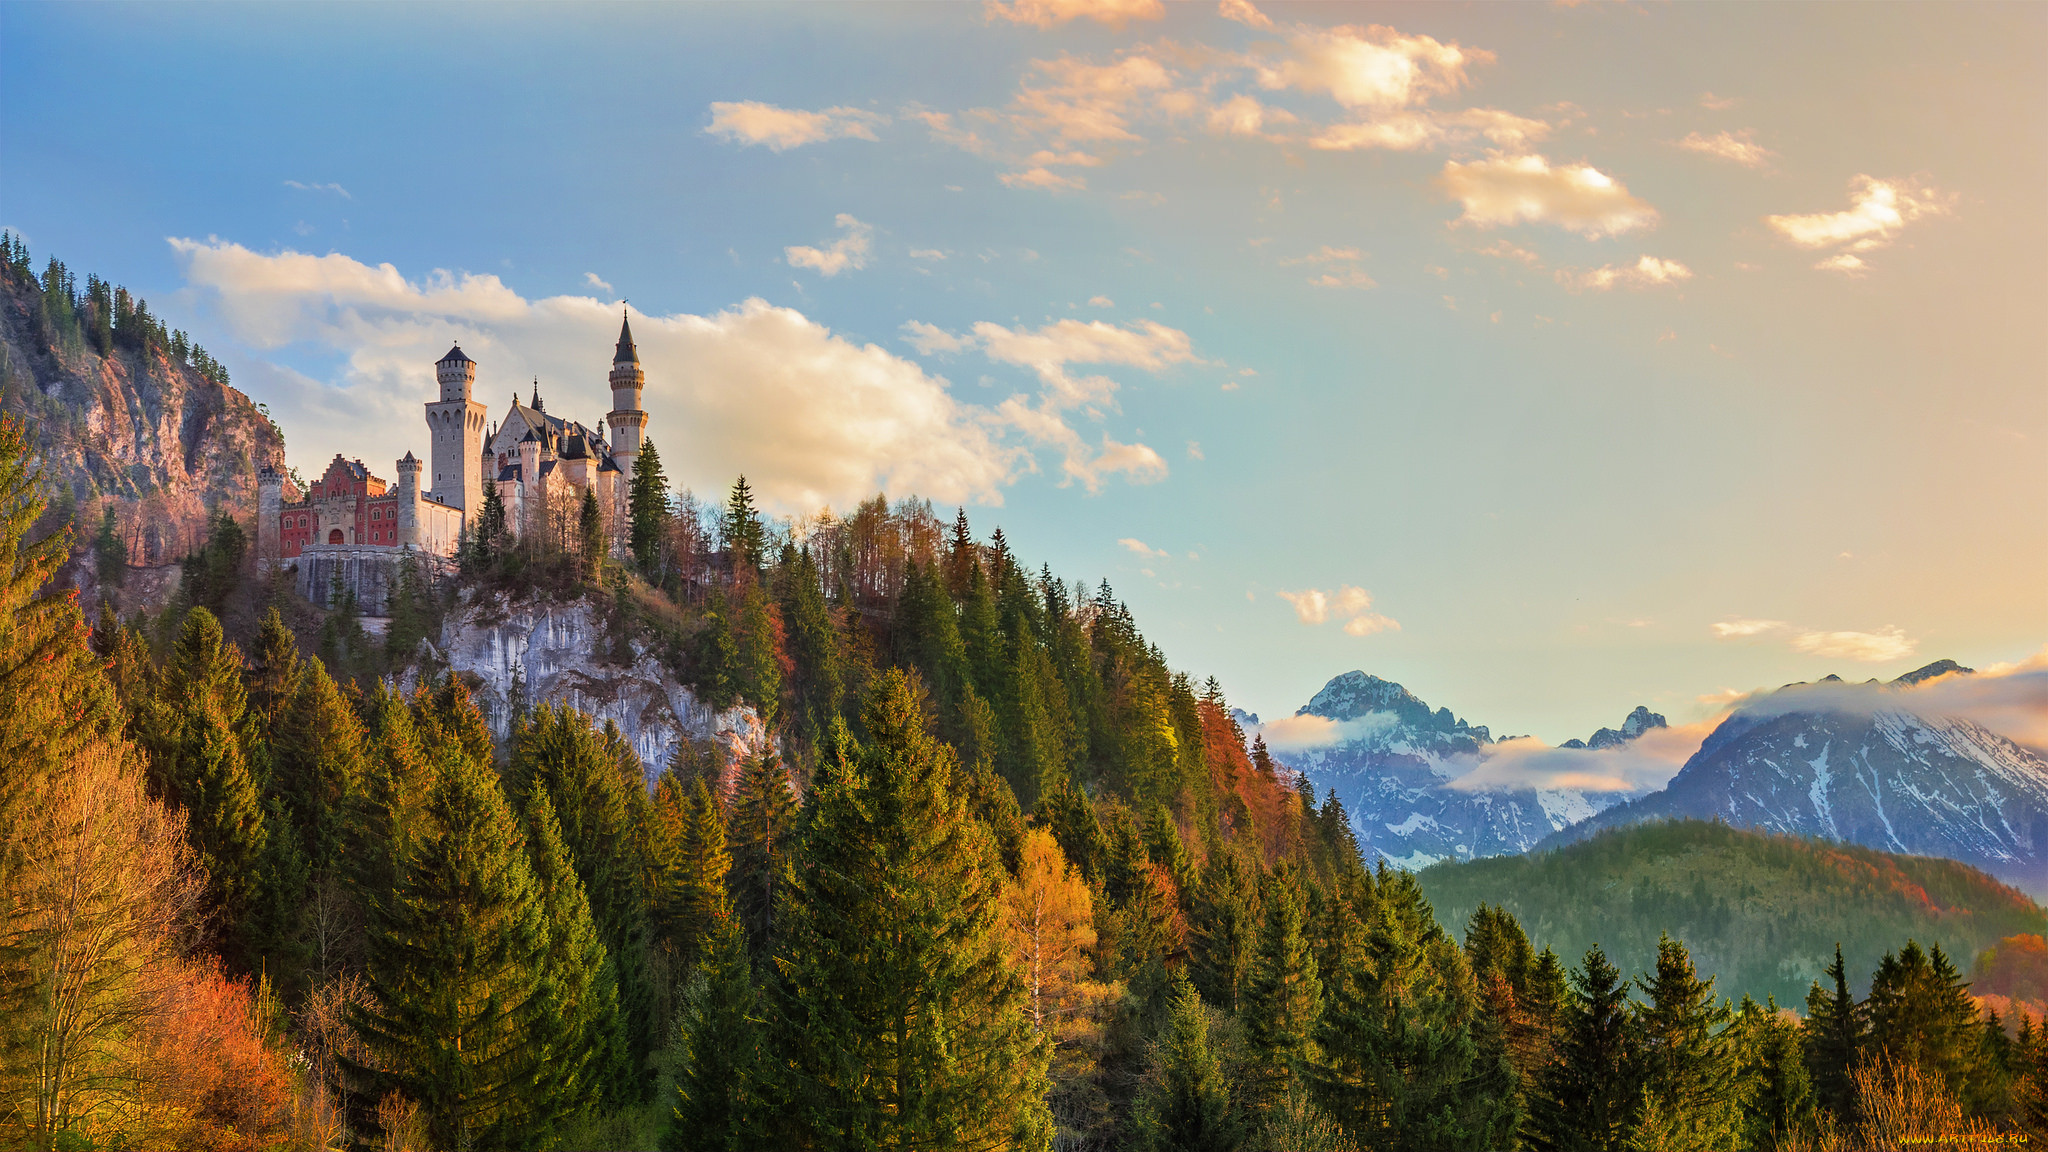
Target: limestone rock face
<point>532,651</point>
<point>164,441</point>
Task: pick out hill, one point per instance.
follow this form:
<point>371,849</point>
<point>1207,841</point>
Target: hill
<point>1870,764</point>
<point>125,415</point>
<point>1760,910</point>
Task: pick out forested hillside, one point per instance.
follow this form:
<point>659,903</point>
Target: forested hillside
<point>137,425</point>
<point>1762,912</point>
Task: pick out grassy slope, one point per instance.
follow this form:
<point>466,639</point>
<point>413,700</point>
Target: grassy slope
<point>1761,911</point>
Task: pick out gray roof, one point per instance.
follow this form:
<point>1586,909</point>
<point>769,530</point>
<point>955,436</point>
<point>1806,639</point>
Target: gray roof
<point>626,353</point>
<point>455,356</point>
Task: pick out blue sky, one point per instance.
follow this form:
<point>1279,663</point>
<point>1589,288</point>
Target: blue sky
<point>1547,359</point>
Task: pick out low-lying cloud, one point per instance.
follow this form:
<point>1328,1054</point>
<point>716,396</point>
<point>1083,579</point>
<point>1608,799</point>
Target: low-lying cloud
<point>1878,210</point>
<point>1886,644</point>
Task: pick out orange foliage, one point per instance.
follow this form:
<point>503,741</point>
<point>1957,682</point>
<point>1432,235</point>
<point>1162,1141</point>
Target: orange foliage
<point>1264,807</point>
<point>217,1086</point>
<point>2016,968</point>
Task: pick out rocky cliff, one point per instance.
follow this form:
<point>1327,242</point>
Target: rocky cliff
<point>123,416</point>
<point>527,651</point>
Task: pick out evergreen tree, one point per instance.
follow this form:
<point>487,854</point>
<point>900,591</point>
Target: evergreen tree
<point>1689,1071</point>
<point>556,748</point>
<point>1071,819</point>
<point>648,509</point>
<point>763,826</point>
<point>745,539</point>
<point>1188,1109</point>
<point>702,868</point>
<point>900,1021</point>
<point>1921,1014</point>
<point>717,672</point>
<point>110,552</point>
<point>1224,926</point>
<point>722,1088</point>
<point>460,1019</point>
<point>1776,1096</point>
<point>488,540</point>
<point>817,684</point>
<point>1284,998</point>
<point>589,1060</point>
<point>1589,1098</point>
<point>758,673</point>
<point>274,674</point>
<point>1833,1034</point>
<point>195,735</point>
<point>590,534</point>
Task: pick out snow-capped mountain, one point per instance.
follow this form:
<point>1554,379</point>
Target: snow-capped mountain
<point>1392,765</point>
<point>1855,763</point>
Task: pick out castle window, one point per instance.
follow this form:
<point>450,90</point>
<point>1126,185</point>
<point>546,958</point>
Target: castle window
<point>334,537</point>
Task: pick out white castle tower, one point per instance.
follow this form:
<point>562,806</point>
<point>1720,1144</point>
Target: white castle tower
<point>628,423</point>
<point>457,424</point>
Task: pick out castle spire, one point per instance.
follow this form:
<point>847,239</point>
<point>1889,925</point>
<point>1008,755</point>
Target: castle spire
<point>536,395</point>
<point>626,354</point>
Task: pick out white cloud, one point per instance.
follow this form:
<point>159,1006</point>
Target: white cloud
<point>592,279</point>
<point>1244,12</point>
<point>808,416</point>
<point>1505,249</point>
<point>1641,765</point>
<point>1050,13</point>
<point>1878,210</point>
<point>335,188</point>
<point>1101,302</point>
<point>1375,67</point>
<point>1736,147</point>
<point>1888,643</point>
<point>1044,179</point>
<point>1075,101</point>
<point>1325,255</point>
<point>752,122</point>
<point>1195,450</point>
<point>1141,548</point>
<point>849,251</point>
<point>1349,602</point>
<point>926,254</point>
<point>1729,629</point>
<point>1312,606</point>
<point>1344,278</point>
<point>1504,190</point>
<point>1870,647</point>
<point>1048,351</point>
<point>1648,272</point>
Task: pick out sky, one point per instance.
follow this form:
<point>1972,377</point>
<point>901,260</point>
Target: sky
<point>1548,359</point>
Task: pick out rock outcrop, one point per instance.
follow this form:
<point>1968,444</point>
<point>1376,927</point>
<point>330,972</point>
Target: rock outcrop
<point>529,651</point>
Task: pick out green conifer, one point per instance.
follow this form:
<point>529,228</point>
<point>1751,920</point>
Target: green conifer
<point>761,831</point>
<point>589,1060</point>
<point>1284,998</point>
<point>460,1018</point>
<point>1589,1097</point>
<point>1188,1108</point>
<point>1689,1068</point>
<point>590,547</point>
<point>1224,926</point>
<point>900,1021</point>
<point>1771,1082</point>
<point>1833,1032</point>
<point>703,865</point>
<point>648,510</point>
<point>722,1088</point>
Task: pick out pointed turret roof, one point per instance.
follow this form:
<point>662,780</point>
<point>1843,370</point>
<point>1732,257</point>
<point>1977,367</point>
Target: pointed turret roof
<point>626,353</point>
<point>455,355</point>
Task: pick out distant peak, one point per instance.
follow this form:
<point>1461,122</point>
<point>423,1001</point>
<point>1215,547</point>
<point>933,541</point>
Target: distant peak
<point>1938,668</point>
<point>1638,722</point>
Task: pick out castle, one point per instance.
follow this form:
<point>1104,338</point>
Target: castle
<point>352,527</point>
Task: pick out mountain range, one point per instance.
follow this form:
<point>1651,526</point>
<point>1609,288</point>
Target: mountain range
<point>1867,764</point>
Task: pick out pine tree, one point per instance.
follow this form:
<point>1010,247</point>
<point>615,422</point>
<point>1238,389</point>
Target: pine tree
<point>460,1020</point>
<point>556,748</point>
<point>1589,1098</point>
<point>590,535</point>
<point>648,511</point>
<point>1776,1096</point>
<point>1833,1034</point>
<point>722,1088</point>
<point>589,1059</point>
<point>763,825</point>
<point>1224,926</point>
<point>1921,1014</point>
<point>1284,998</point>
<point>817,683</point>
<point>1688,1067</point>
<point>1188,1109</point>
<point>745,539</point>
<point>488,541</point>
<point>758,673</point>
<point>900,1022</point>
<point>717,672</point>
<point>703,866</point>
<point>195,735</point>
<point>274,674</point>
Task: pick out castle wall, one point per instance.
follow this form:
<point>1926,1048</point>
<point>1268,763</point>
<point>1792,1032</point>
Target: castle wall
<point>372,573</point>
